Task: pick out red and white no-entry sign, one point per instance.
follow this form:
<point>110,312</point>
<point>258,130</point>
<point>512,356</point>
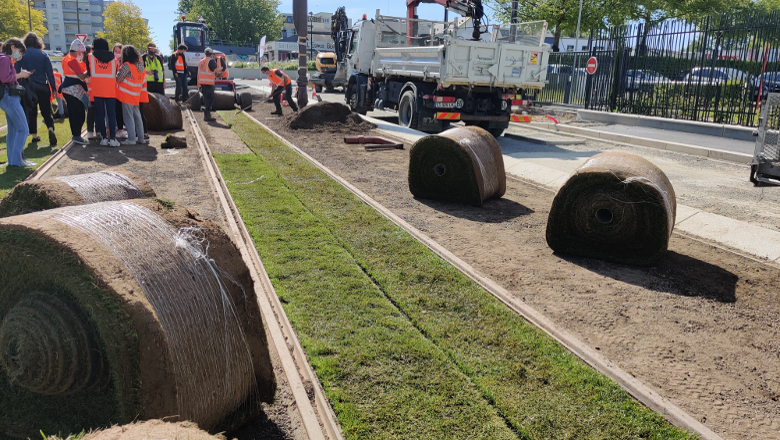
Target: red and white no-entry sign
<point>592,66</point>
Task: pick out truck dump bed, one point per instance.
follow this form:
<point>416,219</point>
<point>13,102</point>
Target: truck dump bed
<point>449,59</point>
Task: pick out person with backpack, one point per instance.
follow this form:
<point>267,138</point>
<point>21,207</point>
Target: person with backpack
<point>10,102</point>
<point>41,86</point>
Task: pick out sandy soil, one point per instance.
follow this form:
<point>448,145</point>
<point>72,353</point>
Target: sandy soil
<point>178,175</point>
<point>701,327</point>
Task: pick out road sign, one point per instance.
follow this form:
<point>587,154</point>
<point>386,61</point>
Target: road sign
<point>592,66</point>
<point>82,37</point>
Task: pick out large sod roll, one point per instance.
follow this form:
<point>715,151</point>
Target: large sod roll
<point>161,114</point>
<point>616,207</point>
<point>462,165</point>
<point>117,311</point>
<point>79,189</point>
<point>223,100</point>
<point>153,429</point>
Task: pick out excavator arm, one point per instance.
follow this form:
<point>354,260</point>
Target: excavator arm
<point>466,8</point>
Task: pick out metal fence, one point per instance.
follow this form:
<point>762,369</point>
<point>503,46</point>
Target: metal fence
<point>710,70</point>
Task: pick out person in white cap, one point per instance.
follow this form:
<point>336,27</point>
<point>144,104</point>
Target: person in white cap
<point>74,88</point>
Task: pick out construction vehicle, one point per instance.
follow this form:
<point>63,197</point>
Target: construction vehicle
<point>432,73</point>
<point>195,35</point>
<point>325,77</point>
<point>765,166</point>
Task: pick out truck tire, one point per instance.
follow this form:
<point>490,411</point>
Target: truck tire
<point>496,132</point>
<point>353,100</point>
<point>318,89</point>
<point>407,115</point>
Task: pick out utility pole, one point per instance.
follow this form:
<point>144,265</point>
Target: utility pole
<point>573,76</point>
<point>311,35</point>
<point>29,14</point>
<point>299,20</point>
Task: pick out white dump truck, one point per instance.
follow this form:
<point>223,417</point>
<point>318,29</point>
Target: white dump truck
<point>434,73</point>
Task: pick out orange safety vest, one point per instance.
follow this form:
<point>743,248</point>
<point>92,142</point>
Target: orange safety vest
<point>224,74</point>
<point>144,92</point>
<point>66,71</point>
<point>129,90</point>
<point>58,84</point>
<point>179,62</point>
<point>102,78</point>
<point>206,77</point>
<point>279,78</point>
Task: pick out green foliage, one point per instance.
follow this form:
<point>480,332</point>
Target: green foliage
<point>124,24</point>
<point>14,20</point>
<point>376,310</point>
<point>237,20</point>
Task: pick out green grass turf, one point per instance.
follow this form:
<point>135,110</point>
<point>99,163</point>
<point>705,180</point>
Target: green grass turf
<point>36,152</point>
<point>318,241</point>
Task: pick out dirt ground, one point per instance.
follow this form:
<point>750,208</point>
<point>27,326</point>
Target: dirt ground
<point>179,175</point>
<point>701,327</point>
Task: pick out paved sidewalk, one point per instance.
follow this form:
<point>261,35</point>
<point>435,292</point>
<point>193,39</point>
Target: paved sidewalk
<point>701,140</point>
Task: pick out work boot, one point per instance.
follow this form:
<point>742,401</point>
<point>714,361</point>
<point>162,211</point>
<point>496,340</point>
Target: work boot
<point>52,137</point>
<point>277,113</point>
<point>208,118</point>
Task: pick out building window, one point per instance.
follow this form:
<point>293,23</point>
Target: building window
<point>54,5</point>
<point>56,27</point>
<point>55,15</point>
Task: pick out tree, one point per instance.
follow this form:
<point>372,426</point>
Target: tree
<point>237,20</point>
<point>123,24</point>
<point>14,20</point>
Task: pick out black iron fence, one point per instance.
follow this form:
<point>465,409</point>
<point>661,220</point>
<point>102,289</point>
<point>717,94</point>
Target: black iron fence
<point>711,70</point>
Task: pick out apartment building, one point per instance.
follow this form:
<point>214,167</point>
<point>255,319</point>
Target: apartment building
<point>66,18</point>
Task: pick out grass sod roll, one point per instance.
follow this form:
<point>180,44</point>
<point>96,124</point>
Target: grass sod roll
<point>161,114</point>
<point>152,429</point>
<point>540,389</point>
<point>112,312</point>
<point>617,207</point>
<point>79,189</point>
<point>461,165</point>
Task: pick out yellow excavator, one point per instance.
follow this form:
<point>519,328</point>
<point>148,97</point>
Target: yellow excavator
<point>327,62</point>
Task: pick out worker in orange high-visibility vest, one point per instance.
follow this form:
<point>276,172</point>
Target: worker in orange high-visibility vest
<point>281,83</point>
<point>222,69</point>
<point>91,133</point>
<point>102,77</point>
<point>207,75</point>
<point>120,120</point>
<point>74,89</point>
<point>130,83</point>
<point>144,100</point>
<point>177,63</point>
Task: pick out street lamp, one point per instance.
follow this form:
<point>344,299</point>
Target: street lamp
<point>311,35</point>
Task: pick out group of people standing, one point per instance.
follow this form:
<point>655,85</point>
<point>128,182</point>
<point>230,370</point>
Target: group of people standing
<point>107,87</point>
<point>104,87</point>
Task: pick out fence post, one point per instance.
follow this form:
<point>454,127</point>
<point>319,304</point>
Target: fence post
<point>589,78</point>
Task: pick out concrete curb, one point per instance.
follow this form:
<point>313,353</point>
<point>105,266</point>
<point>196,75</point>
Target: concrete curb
<point>571,141</point>
<point>676,147</point>
<point>706,128</point>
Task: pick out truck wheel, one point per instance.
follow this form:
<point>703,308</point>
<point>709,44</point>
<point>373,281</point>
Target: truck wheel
<point>318,89</point>
<point>353,100</point>
<point>407,115</point>
<point>330,89</point>
<point>496,132</point>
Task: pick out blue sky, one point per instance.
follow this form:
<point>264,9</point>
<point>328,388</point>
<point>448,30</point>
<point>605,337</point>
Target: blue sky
<point>161,13</point>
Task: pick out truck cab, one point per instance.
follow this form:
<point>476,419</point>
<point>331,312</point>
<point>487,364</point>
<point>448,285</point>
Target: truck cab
<point>432,74</point>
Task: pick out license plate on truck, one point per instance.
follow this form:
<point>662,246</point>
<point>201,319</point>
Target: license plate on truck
<point>444,104</point>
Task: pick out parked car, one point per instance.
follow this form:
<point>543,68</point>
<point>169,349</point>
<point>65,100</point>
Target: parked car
<point>715,75</point>
<point>643,79</point>
<point>771,81</point>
